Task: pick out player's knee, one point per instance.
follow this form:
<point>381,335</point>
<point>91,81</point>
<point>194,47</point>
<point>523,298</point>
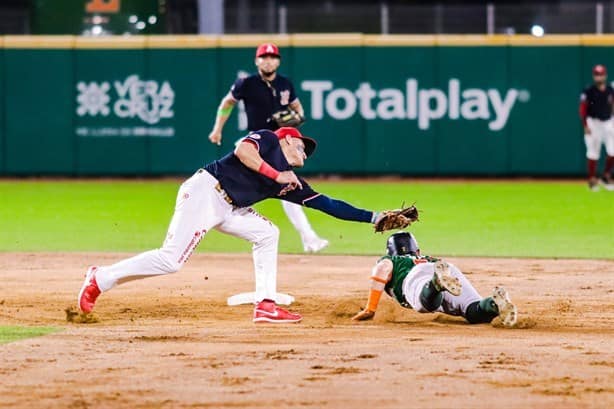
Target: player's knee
<point>170,264</point>
<point>269,236</point>
<point>430,299</point>
<point>174,267</point>
<point>273,233</point>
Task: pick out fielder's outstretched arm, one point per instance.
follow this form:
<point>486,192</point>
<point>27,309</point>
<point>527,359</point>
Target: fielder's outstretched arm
<point>381,274</point>
<point>339,209</point>
<point>386,220</point>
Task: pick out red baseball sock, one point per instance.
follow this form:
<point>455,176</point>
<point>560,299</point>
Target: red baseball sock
<point>609,165</point>
<point>592,168</point>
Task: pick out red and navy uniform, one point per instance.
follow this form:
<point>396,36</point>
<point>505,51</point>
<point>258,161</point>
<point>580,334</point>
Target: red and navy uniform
<point>246,187</point>
<point>263,98</point>
<point>595,103</point>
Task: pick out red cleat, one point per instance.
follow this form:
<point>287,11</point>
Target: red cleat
<point>268,311</point>
<point>89,291</point>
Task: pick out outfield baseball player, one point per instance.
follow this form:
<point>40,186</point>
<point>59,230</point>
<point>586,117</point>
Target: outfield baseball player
<point>270,102</point>
<point>596,104</point>
<point>426,284</point>
<point>219,197</point>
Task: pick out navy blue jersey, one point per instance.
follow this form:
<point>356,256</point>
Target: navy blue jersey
<point>598,103</point>
<point>245,186</point>
<point>262,99</point>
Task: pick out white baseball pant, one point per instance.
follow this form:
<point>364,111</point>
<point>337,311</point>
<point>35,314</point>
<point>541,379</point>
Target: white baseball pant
<point>453,305</point>
<point>602,132</point>
<point>299,220</point>
<point>200,207</point>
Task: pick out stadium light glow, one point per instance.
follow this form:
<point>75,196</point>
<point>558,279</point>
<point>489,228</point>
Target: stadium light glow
<point>537,30</point>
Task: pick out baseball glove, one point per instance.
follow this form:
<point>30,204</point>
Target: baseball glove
<point>396,219</point>
<point>288,117</point>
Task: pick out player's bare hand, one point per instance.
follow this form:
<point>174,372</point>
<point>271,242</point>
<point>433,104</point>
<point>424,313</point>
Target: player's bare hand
<point>215,137</point>
<point>289,178</point>
<point>364,315</point>
<point>587,130</point>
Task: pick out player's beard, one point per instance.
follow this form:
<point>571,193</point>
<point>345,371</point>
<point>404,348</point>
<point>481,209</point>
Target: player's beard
<point>267,74</point>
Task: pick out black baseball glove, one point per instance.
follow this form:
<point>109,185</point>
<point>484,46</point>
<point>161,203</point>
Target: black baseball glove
<point>288,117</point>
<point>396,219</point>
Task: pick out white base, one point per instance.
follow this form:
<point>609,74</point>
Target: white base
<point>250,298</point>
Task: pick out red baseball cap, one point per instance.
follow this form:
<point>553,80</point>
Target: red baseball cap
<point>310,144</point>
<point>599,70</point>
<point>267,49</point>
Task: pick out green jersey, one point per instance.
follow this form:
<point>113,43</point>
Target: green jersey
<point>401,266</point>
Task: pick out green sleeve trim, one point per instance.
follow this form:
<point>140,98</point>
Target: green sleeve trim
<point>225,111</point>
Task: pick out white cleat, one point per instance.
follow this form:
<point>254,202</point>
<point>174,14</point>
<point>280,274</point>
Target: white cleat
<point>607,183</point>
<point>507,310</point>
<point>445,280</point>
<point>315,245</point>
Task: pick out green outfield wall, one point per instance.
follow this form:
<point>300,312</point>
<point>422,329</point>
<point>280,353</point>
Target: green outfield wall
<point>410,105</point>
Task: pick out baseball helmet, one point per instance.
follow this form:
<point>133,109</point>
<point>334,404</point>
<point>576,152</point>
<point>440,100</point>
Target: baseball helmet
<point>267,49</point>
<point>310,144</point>
<point>599,69</point>
<point>402,243</point>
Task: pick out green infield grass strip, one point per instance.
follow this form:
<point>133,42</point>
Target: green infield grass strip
<point>15,333</point>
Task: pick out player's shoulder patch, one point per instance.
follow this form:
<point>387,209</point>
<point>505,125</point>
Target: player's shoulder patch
<point>266,134</point>
<point>263,138</point>
<point>251,78</point>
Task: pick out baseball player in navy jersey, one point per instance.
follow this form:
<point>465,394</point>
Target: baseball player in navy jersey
<point>265,94</point>
<point>219,197</point>
<point>596,104</point>
<point>427,284</point>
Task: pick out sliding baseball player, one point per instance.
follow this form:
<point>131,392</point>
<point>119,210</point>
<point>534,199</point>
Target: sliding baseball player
<point>426,284</point>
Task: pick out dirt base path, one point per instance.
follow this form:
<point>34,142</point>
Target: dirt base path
<point>172,342</point>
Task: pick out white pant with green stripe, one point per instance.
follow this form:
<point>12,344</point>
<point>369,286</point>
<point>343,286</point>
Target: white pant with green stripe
<point>422,273</point>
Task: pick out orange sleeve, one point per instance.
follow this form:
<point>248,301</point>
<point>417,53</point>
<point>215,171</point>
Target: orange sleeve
<point>374,297</point>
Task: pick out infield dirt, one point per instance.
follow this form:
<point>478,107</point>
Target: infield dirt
<point>172,341</point>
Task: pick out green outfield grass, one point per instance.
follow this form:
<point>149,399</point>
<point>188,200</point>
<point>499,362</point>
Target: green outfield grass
<point>12,333</point>
<point>524,218</point>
